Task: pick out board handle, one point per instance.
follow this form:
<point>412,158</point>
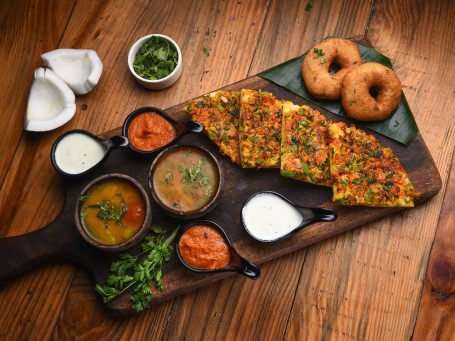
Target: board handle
<point>19,254</point>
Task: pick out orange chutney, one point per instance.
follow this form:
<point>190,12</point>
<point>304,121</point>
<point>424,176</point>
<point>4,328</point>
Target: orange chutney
<point>112,211</point>
<point>150,131</point>
<point>203,247</point>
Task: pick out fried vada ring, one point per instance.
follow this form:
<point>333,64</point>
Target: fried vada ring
<point>315,66</point>
<point>355,92</point>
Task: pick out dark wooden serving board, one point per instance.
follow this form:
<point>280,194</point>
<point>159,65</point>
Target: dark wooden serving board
<point>60,240</point>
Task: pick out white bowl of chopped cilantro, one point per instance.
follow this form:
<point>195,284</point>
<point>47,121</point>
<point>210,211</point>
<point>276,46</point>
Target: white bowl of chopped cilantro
<point>155,61</point>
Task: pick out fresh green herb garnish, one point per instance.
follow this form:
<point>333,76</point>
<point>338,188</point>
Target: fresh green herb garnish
<point>319,53</point>
<point>177,205</point>
<point>205,51</point>
<point>396,123</point>
<point>107,210</point>
<point>157,229</point>
<point>143,274</point>
<point>371,180</point>
<point>167,178</point>
<point>156,59</point>
<point>308,6</point>
<point>194,176</point>
<point>254,139</point>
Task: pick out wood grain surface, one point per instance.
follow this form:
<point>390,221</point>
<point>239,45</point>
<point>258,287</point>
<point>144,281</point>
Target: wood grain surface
<point>363,284</point>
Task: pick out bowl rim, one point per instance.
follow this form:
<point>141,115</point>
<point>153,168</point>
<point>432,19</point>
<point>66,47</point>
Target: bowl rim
<point>196,213</point>
<point>134,239</point>
<point>140,111</point>
<point>139,43</point>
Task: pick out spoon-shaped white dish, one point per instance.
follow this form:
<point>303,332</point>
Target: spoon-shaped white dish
<point>80,69</point>
<point>51,103</point>
<point>269,217</point>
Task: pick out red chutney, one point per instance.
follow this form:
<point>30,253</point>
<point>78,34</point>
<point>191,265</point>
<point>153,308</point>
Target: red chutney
<point>203,247</point>
<point>150,131</point>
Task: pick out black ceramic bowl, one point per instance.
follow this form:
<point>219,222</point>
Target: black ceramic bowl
<point>236,263</point>
<point>181,128</point>
<point>136,238</point>
<point>109,145</point>
<point>189,214</point>
<point>310,215</point>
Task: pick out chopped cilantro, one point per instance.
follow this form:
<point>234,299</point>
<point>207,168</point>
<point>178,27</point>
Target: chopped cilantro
<point>107,210</point>
<point>254,139</point>
<point>156,59</point>
<point>167,178</point>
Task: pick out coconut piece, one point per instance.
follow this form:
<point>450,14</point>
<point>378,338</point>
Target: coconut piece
<point>51,103</point>
<point>80,69</point>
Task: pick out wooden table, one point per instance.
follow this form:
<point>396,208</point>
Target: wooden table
<point>390,279</point>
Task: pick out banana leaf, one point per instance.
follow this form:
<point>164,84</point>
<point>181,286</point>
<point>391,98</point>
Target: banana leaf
<point>399,126</point>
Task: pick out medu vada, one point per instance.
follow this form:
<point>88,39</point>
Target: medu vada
<point>357,100</point>
<point>316,64</point>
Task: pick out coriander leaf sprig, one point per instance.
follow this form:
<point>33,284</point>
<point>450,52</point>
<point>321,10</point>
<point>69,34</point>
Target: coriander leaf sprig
<point>147,271</point>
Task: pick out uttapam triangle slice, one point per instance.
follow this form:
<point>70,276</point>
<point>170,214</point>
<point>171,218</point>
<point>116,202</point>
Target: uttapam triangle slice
<point>365,173</point>
<point>304,145</point>
<point>219,113</point>
<point>260,129</point>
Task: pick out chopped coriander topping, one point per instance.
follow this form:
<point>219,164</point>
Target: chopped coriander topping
<point>107,210</point>
<point>254,139</point>
<point>319,53</point>
<point>156,59</point>
<point>167,178</point>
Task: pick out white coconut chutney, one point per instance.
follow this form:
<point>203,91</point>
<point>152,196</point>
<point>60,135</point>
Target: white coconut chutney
<point>267,217</point>
<point>77,152</point>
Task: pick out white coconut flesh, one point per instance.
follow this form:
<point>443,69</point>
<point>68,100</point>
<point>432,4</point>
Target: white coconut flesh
<point>80,69</point>
<point>51,103</point>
